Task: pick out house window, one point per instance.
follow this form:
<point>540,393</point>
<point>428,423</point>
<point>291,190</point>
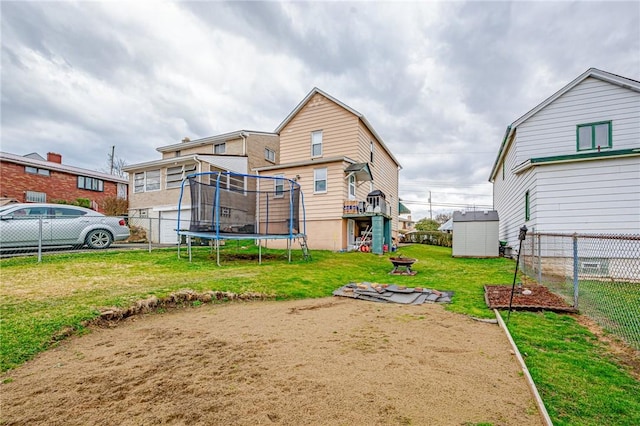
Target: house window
<point>122,191</point>
<point>279,185</point>
<point>231,181</point>
<point>36,171</point>
<point>152,180</point>
<point>270,155</point>
<point>91,184</point>
<point>316,143</point>
<point>371,152</point>
<point>176,174</point>
<point>320,180</point>
<point>527,206</point>
<point>146,181</point>
<point>352,187</point>
<point>35,197</point>
<point>220,148</point>
<point>594,136</point>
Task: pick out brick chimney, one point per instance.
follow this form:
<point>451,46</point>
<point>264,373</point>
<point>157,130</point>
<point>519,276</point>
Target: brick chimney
<point>54,158</point>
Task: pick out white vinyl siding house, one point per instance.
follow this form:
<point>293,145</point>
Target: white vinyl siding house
<point>577,156</point>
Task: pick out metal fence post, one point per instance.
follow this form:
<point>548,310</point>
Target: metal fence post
<point>575,271</point>
<point>539,259</point>
<point>150,233</point>
<point>40,239</point>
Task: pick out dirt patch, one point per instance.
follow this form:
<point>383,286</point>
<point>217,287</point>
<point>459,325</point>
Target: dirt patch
<point>323,361</point>
<point>530,297</point>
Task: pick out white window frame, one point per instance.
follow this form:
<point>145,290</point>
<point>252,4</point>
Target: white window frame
<point>220,148</point>
<point>318,178</point>
<point>176,174</point>
<point>152,183</point>
<point>90,184</point>
<point>138,182</point>
<point>37,171</point>
<point>142,182</point>
<point>278,186</point>
<point>35,197</point>
<point>352,186</point>
<point>316,142</point>
<point>371,156</point>
<point>227,181</point>
<point>270,155</point>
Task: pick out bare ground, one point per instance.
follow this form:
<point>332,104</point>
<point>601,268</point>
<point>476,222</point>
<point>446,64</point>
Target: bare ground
<point>323,361</point>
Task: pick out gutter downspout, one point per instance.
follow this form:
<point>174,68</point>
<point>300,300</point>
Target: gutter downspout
<point>243,135</point>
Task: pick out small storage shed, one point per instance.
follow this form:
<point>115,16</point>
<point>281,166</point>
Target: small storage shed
<point>475,234</point>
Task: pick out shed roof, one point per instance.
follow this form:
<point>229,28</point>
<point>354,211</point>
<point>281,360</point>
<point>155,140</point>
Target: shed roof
<point>476,216</point>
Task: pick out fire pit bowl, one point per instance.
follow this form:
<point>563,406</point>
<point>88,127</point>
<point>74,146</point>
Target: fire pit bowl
<point>402,262</point>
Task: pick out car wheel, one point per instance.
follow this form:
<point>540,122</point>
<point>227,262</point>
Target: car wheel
<point>99,239</point>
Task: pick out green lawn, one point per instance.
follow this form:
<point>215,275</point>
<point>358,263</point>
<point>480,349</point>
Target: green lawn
<point>577,378</point>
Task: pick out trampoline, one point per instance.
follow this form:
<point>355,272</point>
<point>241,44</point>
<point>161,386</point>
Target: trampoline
<point>236,206</point>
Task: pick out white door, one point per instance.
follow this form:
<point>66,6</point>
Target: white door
<point>169,225</point>
<point>351,234</point>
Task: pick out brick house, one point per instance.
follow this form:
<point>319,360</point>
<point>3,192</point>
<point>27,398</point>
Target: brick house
<point>31,178</point>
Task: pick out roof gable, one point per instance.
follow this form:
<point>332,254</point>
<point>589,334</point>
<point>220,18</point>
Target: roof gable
<point>615,79</point>
<point>361,117</point>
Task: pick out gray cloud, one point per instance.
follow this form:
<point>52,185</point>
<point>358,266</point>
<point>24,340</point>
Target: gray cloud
<point>439,81</point>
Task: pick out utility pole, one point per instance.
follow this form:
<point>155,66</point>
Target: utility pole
<point>113,151</point>
<point>430,210</point>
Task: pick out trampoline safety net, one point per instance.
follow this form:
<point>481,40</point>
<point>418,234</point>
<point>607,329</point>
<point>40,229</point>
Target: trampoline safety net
<point>240,204</point>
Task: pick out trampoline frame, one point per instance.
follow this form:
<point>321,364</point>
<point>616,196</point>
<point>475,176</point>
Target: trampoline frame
<point>257,237</point>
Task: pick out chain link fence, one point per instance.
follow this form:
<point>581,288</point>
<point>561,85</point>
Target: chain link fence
<point>33,237</point>
<point>597,274</point>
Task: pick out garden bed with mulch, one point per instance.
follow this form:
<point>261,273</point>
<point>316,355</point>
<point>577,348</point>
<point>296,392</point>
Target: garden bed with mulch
<point>539,299</point>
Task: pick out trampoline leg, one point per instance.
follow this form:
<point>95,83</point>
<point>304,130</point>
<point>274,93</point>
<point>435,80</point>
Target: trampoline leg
<point>218,252</point>
<point>289,249</point>
<point>189,246</point>
<point>259,254</point>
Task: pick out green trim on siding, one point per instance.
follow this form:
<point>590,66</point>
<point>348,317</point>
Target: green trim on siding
<point>587,155</point>
<point>527,206</point>
<point>593,135</point>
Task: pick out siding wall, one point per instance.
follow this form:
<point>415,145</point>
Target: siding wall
<point>589,197</point>
<point>168,197</point>
<point>552,131</point>
<point>384,171</point>
<point>597,196</point>
<point>509,198</point>
<point>339,131</point>
<point>343,135</point>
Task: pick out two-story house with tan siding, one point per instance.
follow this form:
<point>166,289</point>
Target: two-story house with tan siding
<point>348,176</point>
<point>155,185</point>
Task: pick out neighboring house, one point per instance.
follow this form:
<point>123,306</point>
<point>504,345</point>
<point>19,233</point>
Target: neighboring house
<point>447,226</point>
<point>348,176</point>
<point>155,185</point>
<point>31,178</point>
<point>572,163</point>
<point>405,223</point>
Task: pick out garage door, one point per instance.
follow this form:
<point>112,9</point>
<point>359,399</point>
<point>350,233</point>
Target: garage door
<point>169,224</point>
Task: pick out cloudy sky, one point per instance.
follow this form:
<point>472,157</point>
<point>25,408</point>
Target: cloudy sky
<point>439,81</point>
